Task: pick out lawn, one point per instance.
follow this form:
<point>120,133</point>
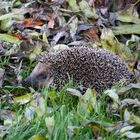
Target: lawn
<point>31,27</point>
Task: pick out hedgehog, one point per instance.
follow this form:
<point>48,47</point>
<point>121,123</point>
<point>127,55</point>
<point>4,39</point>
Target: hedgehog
<point>90,67</point>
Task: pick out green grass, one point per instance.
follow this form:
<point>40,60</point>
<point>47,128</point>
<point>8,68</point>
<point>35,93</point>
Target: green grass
<point>4,61</point>
<point>26,72</point>
<point>69,122</point>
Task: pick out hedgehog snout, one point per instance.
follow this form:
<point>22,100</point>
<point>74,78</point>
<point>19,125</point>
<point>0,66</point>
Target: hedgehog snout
<point>35,81</point>
<point>27,81</point>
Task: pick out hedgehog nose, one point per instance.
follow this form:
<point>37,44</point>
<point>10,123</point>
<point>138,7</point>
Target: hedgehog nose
<point>27,81</point>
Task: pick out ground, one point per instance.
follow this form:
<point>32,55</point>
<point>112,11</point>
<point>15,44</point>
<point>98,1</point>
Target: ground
<point>28,28</point>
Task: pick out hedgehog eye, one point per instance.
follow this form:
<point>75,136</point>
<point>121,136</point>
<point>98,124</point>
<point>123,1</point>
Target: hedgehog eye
<point>42,76</point>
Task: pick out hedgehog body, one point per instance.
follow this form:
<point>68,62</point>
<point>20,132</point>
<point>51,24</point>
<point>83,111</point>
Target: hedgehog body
<point>90,67</point>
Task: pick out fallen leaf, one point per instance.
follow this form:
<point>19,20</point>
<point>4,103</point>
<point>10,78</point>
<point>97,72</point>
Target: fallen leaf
<point>38,137</point>
<point>23,99</point>
<point>87,102</point>
<point>5,5</point>
<point>73,5</point>
<point>6,24</point>
<point>12,15</point>
<point>20,36</point>
<point>99,126</point>
<point>86,9</point>
<point>7,114</point>
<point>110,42</point>
<point>131,135</point>
<point>126,128</point>
<point>3,131</point>
<point>8,117</point>
<point>127,17</point>
<point>12,51</point>
<point>51,19</point>
<point>113,95</point>
<point>30,22</point>
<point>9,38</point>
<point>39,105</point>
<point>72,130</point>
<point>29,112</point>
<point>96,127</point>
<point>57,37</point>
<point>36,51</point>
<point>74,92</point>
<point>126,115</point>
<point>126,29</point>
<point>73,27</point>
<point>78,43</point>
<point>92,34</point>
<point>50,122</point>
<point>45,39</point>
<point>60,47</point>
<point>2,71</point>
<point>135,119</point>
<point>129,102</point>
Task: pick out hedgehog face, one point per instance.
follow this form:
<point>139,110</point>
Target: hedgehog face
<point>39,76</point>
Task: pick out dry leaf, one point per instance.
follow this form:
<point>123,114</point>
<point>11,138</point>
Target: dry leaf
<point>30,22</point>
<point>92,34</point>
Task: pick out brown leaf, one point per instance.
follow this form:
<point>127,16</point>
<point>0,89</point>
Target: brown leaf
<point>51,24</point>
<point>92,33</point>
<point>51,19</point>
<point>30,22</point>
<point>20,36</point>
<point>96,127</point>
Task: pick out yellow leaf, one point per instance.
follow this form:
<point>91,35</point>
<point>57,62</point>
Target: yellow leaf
<point>9,38</point>
<point>37,137</point>
<point>87,102</point>
<point>110,42</point>
<point>23,99</point>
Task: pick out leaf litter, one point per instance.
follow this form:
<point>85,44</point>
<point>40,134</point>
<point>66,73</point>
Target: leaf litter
<point>28,28</point>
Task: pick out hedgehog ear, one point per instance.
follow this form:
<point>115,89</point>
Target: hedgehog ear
<point>42,58</point>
